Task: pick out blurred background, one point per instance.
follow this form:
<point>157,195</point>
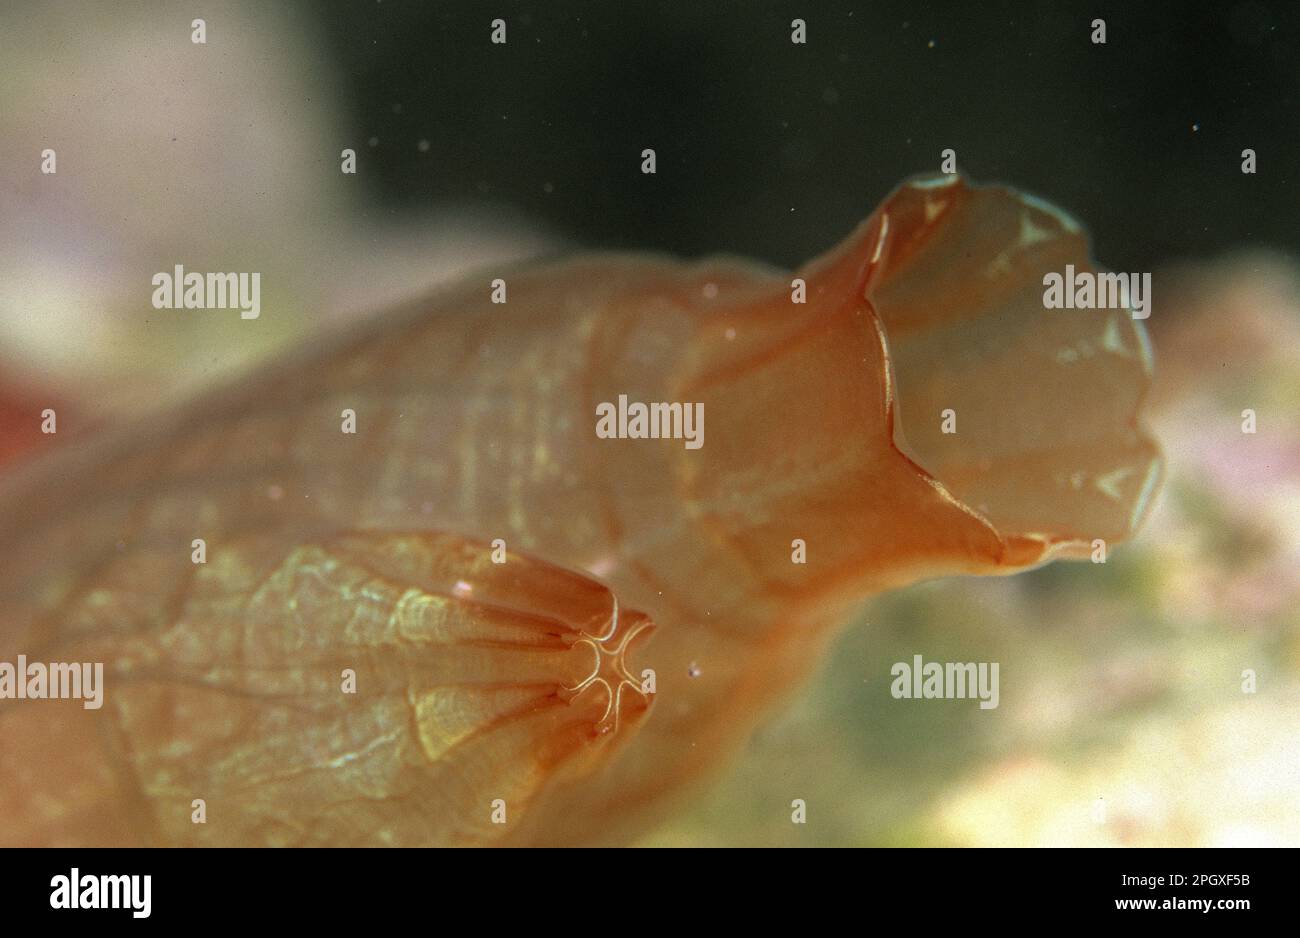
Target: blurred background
<point>1123,719</point>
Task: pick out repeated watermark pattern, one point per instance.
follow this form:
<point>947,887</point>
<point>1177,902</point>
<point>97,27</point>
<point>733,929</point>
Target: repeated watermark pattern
<point>379,598</point>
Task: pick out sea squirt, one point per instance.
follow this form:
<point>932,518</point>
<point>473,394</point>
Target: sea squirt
<point>524,702</point>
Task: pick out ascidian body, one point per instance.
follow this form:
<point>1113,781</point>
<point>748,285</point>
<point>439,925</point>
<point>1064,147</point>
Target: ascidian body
<point>655,599</point>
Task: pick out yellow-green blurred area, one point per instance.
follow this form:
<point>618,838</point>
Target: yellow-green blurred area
<point>223,156</point>
<point>1123,718</point>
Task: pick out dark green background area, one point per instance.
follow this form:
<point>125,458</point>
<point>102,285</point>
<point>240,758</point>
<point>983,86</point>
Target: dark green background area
<point>776,150</point>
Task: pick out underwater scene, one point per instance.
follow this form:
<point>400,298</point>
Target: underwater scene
<point>771,424</point>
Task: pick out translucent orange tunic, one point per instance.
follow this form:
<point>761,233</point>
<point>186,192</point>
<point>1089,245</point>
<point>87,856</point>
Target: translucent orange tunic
<point>509,702</point>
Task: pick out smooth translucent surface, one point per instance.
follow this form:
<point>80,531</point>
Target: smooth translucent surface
<point>475,421</point>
